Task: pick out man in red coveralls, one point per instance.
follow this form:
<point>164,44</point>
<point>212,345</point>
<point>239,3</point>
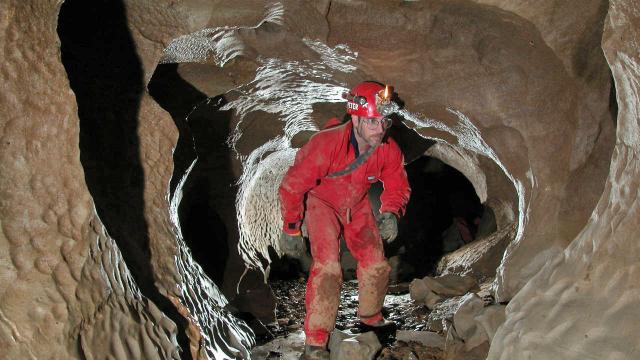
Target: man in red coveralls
<point>327,186</point>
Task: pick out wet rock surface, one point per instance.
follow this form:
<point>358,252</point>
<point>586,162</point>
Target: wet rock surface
<point>410,351</point>
<point>426,338</point>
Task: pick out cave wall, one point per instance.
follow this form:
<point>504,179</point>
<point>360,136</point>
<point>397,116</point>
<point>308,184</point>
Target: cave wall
<point>584,303</point>
<point>57,254</point>
<point>574,37</point>
<point>65,292</point>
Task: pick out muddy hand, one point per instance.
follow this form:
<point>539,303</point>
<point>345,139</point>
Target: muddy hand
<point>388,225</point>
<point>292,245</point>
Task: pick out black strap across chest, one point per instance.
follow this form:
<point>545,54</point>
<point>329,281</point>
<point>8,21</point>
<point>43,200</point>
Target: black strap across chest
<point>359,160</point>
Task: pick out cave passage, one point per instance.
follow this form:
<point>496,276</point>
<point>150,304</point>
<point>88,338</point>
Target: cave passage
<point>444,214</point>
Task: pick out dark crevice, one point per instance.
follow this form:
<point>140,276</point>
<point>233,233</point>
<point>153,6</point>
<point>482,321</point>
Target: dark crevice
<point>178,98</point>
<point>106,75</point>
<point>613,101</point>
<point>206,212</point>
<point>413,146</point>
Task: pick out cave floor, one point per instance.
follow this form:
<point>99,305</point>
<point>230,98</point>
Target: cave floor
<point>288,338</point>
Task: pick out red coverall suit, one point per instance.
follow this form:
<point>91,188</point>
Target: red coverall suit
<point>336,205</point>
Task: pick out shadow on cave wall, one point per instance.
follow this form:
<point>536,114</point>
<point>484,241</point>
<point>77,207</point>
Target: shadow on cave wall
<point>105,73</point>
<point>613,102</point>
<point>206,211</point>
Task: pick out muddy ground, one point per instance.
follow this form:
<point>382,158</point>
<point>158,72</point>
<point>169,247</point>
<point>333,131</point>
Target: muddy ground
<point>397,307</point>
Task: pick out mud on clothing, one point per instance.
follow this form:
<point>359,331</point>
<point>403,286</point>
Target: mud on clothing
<point>340,205</point>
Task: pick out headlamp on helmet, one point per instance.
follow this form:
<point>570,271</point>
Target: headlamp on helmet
<point>370,99</point>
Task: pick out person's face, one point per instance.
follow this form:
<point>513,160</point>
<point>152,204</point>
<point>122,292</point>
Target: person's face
<point>370,130</point>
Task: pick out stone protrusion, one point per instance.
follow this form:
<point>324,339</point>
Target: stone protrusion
<point>426,338</point>
<point>344,346</point>
<point>432,290</point>
<point>465,323</point>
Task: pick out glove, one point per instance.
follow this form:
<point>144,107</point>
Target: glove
<point>292,245</point>
<point>388,226</point>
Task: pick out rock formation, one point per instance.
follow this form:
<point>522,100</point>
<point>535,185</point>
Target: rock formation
<point>582,304</point>
<point>65,292</point>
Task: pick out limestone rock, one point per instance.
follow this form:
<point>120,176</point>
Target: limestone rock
<point>481,257</point>
<point>451,284</point>
<point>418,290</point>
<point>471,343</point>
<point>490,318</point>
<point>457,351</point>
<point>430,291</point>
<point>288,348</point>
<point>596,276</point>
<point>426,338</point>
<point>363,346</point>
<point>66,291</point>
<point>440,318</point>
<point>435,323</point>
<point>420,293</point>
<point>432,299</point>
<point>465,323</point>
<point>564,31</point>
<point>337,336</point>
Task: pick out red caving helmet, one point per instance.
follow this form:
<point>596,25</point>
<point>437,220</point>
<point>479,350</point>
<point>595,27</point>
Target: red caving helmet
<point>364,98</point>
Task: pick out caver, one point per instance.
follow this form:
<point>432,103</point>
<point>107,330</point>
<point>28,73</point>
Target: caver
<point>327,188</point>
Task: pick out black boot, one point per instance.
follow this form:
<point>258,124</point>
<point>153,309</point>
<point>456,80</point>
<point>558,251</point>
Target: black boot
<point>384,329</point>
<point>382,325</point>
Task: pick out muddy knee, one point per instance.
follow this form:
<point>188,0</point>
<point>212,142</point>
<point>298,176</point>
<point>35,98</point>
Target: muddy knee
<point>322,300</point>
<point>325,278</point>
<point>373,280</point>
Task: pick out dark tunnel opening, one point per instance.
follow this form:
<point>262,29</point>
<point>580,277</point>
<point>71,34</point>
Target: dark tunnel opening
<point>444,214</point>
<point>105,73</point>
